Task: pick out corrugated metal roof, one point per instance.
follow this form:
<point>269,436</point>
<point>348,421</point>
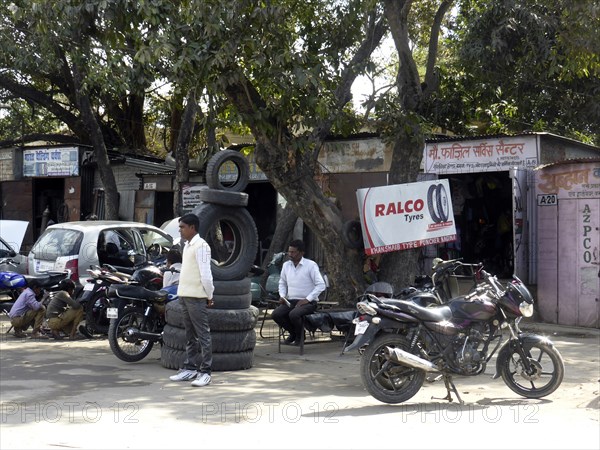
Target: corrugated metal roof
<point>570,161</point>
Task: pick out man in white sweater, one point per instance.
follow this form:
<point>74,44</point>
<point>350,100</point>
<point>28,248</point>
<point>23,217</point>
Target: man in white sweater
<point>195,292</point>
<point>300,283</point>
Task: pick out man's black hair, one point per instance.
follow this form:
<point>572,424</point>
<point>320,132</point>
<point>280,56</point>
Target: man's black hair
<point>298,245</point>
<point>66,285</point>
<point>190,219</point>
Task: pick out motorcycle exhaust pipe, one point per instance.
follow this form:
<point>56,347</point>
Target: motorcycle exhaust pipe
<point>134,333</point>
<point>408,359</point>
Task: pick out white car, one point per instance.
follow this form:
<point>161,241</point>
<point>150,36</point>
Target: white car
<point>12,233</point>
<point>80,245</point>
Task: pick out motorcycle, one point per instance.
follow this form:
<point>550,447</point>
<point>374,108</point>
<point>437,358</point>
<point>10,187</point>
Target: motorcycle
<point>401,343</point>
<point>270,291</point>
<point>137,320</point>
<point>12,283</point>
<point>93,297</point>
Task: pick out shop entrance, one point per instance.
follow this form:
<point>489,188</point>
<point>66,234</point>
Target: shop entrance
<point>483,213</point>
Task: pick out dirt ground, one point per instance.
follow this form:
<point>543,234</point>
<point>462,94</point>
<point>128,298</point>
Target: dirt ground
<point>78,395</point>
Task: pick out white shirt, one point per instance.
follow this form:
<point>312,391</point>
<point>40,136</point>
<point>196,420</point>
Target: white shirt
<point>192,283</point>
<point>303,281</point>
<point>171,278</point>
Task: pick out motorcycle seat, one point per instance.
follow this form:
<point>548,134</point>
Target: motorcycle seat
<point>45,280</point>
<point>137,293</point>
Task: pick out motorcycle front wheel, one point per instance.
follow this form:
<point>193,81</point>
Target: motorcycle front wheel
<point>386,381</point>
<point>125,347</point>
<point>544,377</point>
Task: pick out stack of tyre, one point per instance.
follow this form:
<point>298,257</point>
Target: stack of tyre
<point>228,227</point>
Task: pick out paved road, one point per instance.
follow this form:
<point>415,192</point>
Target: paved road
<point>78,395</point>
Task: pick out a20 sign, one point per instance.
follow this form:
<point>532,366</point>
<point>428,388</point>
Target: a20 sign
<point>547,200</point>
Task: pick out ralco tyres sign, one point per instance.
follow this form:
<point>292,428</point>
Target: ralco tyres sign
<point>404,216</point>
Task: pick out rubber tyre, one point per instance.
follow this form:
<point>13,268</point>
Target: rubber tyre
<point>236,260</point>
<point>240,301</point>
<point>432,203</point>
<point>232,287</point>
<point>214,165</point>
<point>225,198</point>
<point>172,358</point>
<point>218,319</point>
<point>352,234</point>
<point>409,380</point>
<point>443,205</point>
<point>222,341</point>
<point>550,362</point>
<point>130,314</point>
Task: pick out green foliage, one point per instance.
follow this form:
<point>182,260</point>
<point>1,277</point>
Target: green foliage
<point>525,65</point>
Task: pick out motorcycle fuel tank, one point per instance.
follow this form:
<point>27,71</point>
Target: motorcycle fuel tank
<point>473,308</point>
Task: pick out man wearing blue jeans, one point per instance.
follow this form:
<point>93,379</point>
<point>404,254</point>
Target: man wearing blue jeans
<point>195,292</point>
<point>300,283</point>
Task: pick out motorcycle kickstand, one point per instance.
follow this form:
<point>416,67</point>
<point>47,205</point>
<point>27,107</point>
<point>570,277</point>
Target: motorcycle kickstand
<point>450,387</point>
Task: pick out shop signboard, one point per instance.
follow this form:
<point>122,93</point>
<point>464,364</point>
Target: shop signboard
<point>487,155</point>
<point>51,162</point>
<point>404,216</point>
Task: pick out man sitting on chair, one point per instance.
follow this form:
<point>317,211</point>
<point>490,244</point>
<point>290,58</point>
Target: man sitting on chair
<point>300,283</point>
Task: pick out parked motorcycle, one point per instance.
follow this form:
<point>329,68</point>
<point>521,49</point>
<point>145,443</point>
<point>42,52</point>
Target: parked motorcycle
<point>270,291</point>
<point>94,298</point>
<point>12,283</point>
<point>137,320</point>
<point>402,342</point>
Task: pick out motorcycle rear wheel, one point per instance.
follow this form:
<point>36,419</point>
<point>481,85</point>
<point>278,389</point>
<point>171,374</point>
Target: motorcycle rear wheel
<point>124,349</point>
<point>397,383</point>
<point>95,313</point>
<point>548,370</point>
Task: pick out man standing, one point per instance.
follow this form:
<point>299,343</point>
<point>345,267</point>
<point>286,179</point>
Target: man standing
<point>64,313</point>
<point>301,283</point>
<point>195,292</point>
<point>27,310</point>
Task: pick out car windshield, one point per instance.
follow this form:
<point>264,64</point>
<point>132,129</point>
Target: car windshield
<point>56,242</point>
<point>5,250</point>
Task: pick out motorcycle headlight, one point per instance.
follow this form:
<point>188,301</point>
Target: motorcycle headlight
<point>526,309</point>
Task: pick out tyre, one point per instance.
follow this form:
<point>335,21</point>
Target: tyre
<point>352,234</point>
<point>443,203</point>
<point>218,319</point>
<point>95,314</point>
<point>233,240</point>
<point>232,287</point>
<point>432,203</point>
<point>237,174</point>
<point>126,348</point>
<point>547,373</point>
<point>172,358</point>
<point>222,341</point>
<point>225,198</point>
<point>240,301</point>
<point>392,382</point>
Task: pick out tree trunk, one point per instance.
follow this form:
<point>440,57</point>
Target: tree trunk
<point>182,157</point>
<point>111,195</point>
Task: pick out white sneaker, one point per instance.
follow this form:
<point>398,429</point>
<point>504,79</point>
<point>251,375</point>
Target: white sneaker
<point>184,375</point>
<point>201,380</point>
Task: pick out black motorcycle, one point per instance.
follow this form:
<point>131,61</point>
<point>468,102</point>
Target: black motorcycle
<point>402,342</point>
<point>94,295</point>
<point>137,320</point>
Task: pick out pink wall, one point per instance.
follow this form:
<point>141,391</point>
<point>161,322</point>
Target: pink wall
<point>568,242</point>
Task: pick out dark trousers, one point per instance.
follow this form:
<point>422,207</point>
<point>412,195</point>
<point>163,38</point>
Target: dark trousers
<point>290,318</point>
<point>197,332</point>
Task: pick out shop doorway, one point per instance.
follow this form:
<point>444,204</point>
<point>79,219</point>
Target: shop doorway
<point>48,193</point>
<point>483,213</point>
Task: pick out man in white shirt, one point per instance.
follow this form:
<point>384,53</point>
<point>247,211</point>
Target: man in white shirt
<point>300,283</point>
<point>195,291</point>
